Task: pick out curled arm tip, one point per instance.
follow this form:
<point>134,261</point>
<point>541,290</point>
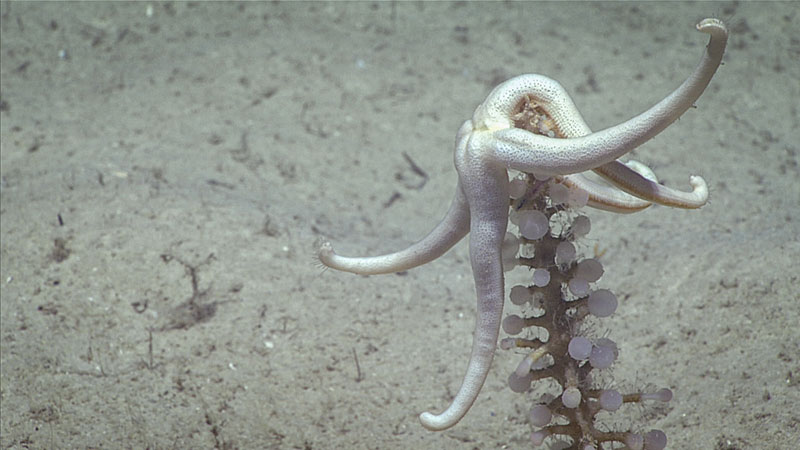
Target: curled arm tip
<point>433,422</point>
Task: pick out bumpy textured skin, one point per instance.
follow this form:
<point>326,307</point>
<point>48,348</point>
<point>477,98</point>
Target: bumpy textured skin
<point>489,144</point>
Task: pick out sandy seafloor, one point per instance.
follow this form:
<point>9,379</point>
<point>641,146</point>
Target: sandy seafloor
<point>165,176</point>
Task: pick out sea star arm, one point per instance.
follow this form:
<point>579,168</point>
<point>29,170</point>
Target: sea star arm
<point>640,187</point>
<point>607,197</point>
<point>512,146</point>
<point>453,227</point>
<point>635,184</point>
<point>486,188</point>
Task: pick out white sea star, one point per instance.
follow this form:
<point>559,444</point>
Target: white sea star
<point>530,124</point>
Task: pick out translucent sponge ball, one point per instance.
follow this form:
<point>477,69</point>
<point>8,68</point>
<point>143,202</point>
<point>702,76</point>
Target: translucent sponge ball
<point>579,348</point>
<point>571,397</point>
<point>634,441</point>
<point>533,224</point>
<point>603,355</point>
<point>540,416</point>
<point>581,226</point>
<point>565,252</point>
<point>589,269</point>
<point>517,188</point>
<point>610,400</point>
<point>558,193</point>
<point>538,437</point>
<point>655,440</point>
<point>513,324</point>
<point>520,384</point>
<point>602,303</point>
<point>508,343</point>
<point>519,294</point>
<point>541,277</point>
<point>578,287</point>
